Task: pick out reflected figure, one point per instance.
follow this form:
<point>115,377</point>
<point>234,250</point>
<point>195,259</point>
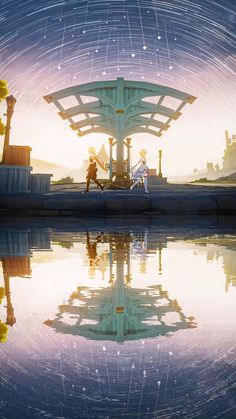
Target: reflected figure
<point>120,312</point>
<point>96,261</point>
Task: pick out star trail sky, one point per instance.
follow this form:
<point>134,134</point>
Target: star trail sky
<point>47,45</point>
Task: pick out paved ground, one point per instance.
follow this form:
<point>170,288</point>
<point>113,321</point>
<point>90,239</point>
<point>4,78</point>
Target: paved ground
<point>169,199</point>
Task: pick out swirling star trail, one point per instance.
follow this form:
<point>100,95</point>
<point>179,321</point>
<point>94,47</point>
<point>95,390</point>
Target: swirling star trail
<point>186,44</point>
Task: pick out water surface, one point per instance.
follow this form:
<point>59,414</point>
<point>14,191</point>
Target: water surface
<point>112,322</point>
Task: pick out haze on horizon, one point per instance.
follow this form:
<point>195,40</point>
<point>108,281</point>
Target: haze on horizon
<point>183,44</point>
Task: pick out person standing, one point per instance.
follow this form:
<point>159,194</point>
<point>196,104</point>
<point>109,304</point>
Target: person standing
<point>141,174</point>
<point>92,175</point>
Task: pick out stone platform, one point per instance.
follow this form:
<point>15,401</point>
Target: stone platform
<point>171,199</point>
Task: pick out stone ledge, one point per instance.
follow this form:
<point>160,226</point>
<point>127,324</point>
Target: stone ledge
<point>182,204</point>
<point>83,204</point>
<point>123,202</point>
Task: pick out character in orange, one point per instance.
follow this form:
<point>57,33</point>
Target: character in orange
<point>92,175</point>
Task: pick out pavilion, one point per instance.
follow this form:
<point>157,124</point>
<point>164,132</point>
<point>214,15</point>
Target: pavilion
<point>120,108</point>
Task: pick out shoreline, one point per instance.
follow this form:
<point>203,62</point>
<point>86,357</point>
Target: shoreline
<point>164,200</point>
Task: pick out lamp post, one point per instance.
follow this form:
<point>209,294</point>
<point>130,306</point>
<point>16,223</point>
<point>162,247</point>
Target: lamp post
<point>160,156</point>
<point>11,101</point>
<point>111,143</point>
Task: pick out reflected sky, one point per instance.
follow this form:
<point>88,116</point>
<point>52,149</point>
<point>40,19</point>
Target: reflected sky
<point>106,324</point>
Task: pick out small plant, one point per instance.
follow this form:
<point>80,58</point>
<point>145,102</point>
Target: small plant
<point>64,181</point>
<point>202,180</point>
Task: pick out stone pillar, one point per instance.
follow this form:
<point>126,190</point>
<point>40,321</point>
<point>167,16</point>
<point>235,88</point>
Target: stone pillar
<point>119,159</point>
<point>128,142</point>
<point>120,297</point>
<point>119,134</point>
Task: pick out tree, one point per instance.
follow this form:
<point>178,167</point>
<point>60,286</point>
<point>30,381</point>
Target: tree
<point>3,94</point>
<point>3,332</point>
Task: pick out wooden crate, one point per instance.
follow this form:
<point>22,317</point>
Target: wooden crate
<point>17,155</point>
<point>14,178</point>
<point>40,182</point>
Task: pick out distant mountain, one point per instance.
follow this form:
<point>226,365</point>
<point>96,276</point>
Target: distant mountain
<point>41,166</point>
<point>229,178</point>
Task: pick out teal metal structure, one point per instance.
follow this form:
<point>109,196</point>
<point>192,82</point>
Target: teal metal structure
<point>118,108</point>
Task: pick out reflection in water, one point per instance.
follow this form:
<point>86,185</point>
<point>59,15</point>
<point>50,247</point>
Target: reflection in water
<point>15,251</point>
<point>104,326</point>
<point>120,312</point>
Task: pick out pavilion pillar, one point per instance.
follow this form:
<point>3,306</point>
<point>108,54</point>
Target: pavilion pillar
<point>119,160</point>
<point>120,293</point>
<point>111,142</point>
<point>120,172</point>
<point>128,143</point>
